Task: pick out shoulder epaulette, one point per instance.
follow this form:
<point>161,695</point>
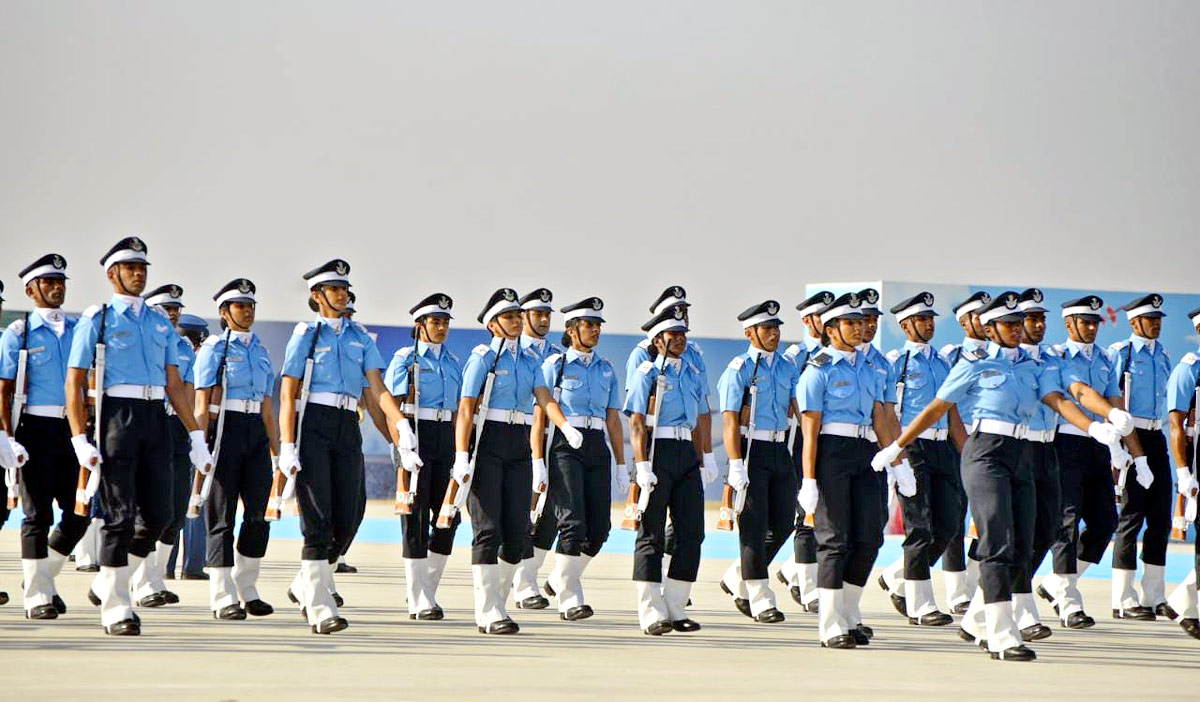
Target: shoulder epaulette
<point>737,362</point>
<point>893,355</point>
<point>453,356</point>
<point>404,352</point>
<point>553,358</point>
<point>975,355</point>
<point>481,350</point>
<point>821,359</point>
<point>17,327</point>
<point>1059,350</point>
<point>947,350</point>
<point>300,328</point>
<point>1118,345</point>
<point>645,367</point>
<point>91,311</point>
<point>1190,358</point>
<point>792,351</point>
<point>696,346</point>
<point>643,344</point>
<point>212,340</point>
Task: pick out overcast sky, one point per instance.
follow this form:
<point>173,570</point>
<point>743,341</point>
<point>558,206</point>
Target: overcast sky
<point>741,149</point>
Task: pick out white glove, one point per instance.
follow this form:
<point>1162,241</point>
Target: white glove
<point>199,455</point>
<point>1121,420</point>
<point>18,451</point>
<point>809,494</point>
<point>410,460</point>
<point>1106,434</point>
<point>541,476</point>
<point>1120,457</point>
<point>886,456</point>
<point>1145,477</point>
<point>645,475</point>
<point>274,463</point>
<point>289,461</point>
<point>1185,483</point>
<point>11,479</point>
<point>7,458</point>
<point>622,476</point>
<point>85,453</point>
<point>906,481</point>
<point>406,440</point>
<point>708,469</point>
<point>461,472</point>
<point>738,477</point>
<point>573,436</point>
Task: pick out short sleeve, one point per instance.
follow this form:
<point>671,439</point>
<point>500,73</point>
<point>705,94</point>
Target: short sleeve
<point>474,374</point>
<point>83,343</point>
<point>10,349</point>
<point>810,390</point>
<point>372,360</point>
<point>396,376</point>
<point>958,384</point>
<point>296,352</point>
<point>638,395</point>
<point>730,387</point>
<point>205,368</point>
<point>1181,388</point>
<point>614,390</point>
<point>1049,380</point>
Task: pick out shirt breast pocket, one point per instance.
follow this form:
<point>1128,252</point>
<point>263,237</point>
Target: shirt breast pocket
<point>917,380</point>
<point>156,349</point>
<point>121,340</point>
<point>990,380</point>
<point>39,356</point>
<point>571,384</point>
<point>841,389</point>
<point>354,354</point>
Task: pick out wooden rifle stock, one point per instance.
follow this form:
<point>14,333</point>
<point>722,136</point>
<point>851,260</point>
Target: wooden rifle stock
<point>275,501</point>
<point>725,520</point>
<point>81,501</point>
<point>449,509</point>
<point>630,522</point>
<point>404,487</point>
<point>193,510</point>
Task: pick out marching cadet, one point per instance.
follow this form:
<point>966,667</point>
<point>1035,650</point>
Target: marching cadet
<point>342,566</point>
<point>195,533</point>
<point>501,377</point>
<point>427,446</point>
<point>320,448</point>
<point>934,513</point>
<point>1000,388</point>
<point>759,381</point>
<point>668,467</point>
<point>799,572</point>
<point>34,350</point>
<point>1183,389</point>
<point>234,377</point>
<point>873,356</point>
<point>580,478</point>
<point>133,439</point>
<point>535,324</point>
<point>1142,364</point>
<point>840,398</point>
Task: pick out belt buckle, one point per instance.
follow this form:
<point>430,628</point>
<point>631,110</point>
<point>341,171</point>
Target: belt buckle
<point>861,433</point>
<point>512,416</point>
<point>146,392</point>
<point>1021,431</point>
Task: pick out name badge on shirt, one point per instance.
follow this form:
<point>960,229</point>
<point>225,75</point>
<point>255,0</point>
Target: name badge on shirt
<point>992,379</point>
<point>322,349</point>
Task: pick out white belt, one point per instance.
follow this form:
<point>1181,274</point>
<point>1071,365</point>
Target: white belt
<point>852,431</point>
<point>170,409</point>
<point>429,414</point>
<point>51,411</point>
<point>1072,430</point>
<point>505,416</point>
<point>1042,436</point>
<point>999,428</point>
<point>136,392</point>
<point>764,434</point>
<point>681,433</point>
<point>231,405</point>
<point>1147,424</point>
<point>582,422</point>
<point>932,434</point>
<point>334,399</point>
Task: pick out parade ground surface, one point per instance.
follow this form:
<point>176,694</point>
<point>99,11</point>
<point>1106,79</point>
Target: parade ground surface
<point>184,654</point>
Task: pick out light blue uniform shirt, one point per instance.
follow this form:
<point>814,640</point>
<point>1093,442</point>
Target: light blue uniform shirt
<point>341,359</point>
<point>441,376</point>
<point>881,365</point>
<point>187,360</point>
<point>588,389</point>
<point>1181,386</point>
<point>842,387</point>
<point>46,370</point>
<point>680,403</point>
<point>1087,364</point>
<point>1151,368</point>
<point>138,348</point>
<point>543,349</point>
<point>1045,418</point>
<point>516,375</point>
<point>777,377</point>
<point>922,374</point>
<point>692,354</point>
<point>993,387</point>
<point>801,353</point>
<point>248,372</point>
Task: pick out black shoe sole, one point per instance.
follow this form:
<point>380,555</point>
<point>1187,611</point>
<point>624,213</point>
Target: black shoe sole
<point>659,628</point>
<point>576,613</point>
<point>42,612</point>
<point>538,602</point>
<point>329,626</point>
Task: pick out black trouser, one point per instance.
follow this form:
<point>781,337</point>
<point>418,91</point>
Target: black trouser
<point>580,493</point>
<point>50,475</point>
<point>1000,490</point>
<point>243,471</point>
<point>849,524</point>
<point>359,514</point>
<point>934,514</point>
<point>135,483</point>
<point>954,558</point>
<point>329,481</point>
<point>436,448</point>
<point>805,543</point>
<point>680,492</point>
<point>543,533</point>
<point>1085,475</point>
<point>1151,506</point>
<point>767,517</point>
<point>500,492</point>
<point>181,480</point>
<point>1048,527</point>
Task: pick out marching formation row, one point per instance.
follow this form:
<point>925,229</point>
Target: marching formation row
<point>117,415</point>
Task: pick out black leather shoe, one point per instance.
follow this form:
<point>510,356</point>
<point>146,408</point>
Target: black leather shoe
<point>258,608</point>
<point>843,641</point>
<point>1079,620</point>
<point>795,591</point>
<point>330,625</point>
<point>170,597</point>
<point>504,626</point>
<point>659,628</point>
<point>866,630</point>
<point>155,599</point>
<point>685,626</point>
<point>1045,595</point>
<point>1016,653</point>
<point>1167,611</point>
<point>534,602</point>
<point>231,612</point>
<point>125,627</point>
<point>742,605</point>
<point>337,599</point>
<point>960,608</point>
<point>194,576</point>
<point>1191,627</point>
<point>965,635</point>
<point>93,598</point>
<point>898,601</point>
<point>1034,632</point>
<point>860,637</point>
<point>931,619</point>
<point>549,590</point>
<point>292,597</point>
<point>769,616</point>
<point>428,615</point>
<point>88,569</point>
<point>1137,614</point>
<point>46,611</point>
<point>3,598</point>
<point>345,568</point>
<point>574,614</point>
<point>811,608</point>
<point>59,605</point>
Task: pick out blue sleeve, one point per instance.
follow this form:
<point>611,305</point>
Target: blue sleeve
<point>396,376</point>
<point>1114,384</point>
<point>638,394</point>
<point>549,370</point>
<point>371,358</point>
<point>10,348</point>
<point>296,352</point>
<point>474,375</point>
<point>810,390</point>
<point>703,368</point>
<point>171,354</point>
<point>83,342</point>
<point>614,390</point>
<point>959,383</point>
<point>204,371</point>
<point>888,392</point>
<point>636,356</point>
<point>1049,380</point>
<point>539,379</point>
<point>1181,388</point>
<point>1071,373</point>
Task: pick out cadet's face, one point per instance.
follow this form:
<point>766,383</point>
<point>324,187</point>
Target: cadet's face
<point>239,315</point>
<point>537,322</point>
<point>507,325</point>
<point>813,323</point>
<point>764,336</point>
<point>870,327</point>
<point>47,292</point>
<point>919,329</point>
<point>1035,327</point>
<point>436,329</point>
<point>673,343</point>
<point>1147,327</point>
<point>332,299</point>
<point>1006,334</point>
<point>128,278</point>
<point>971,326</point>
<point>172,312</point>
<point>850,331</point>
<point>587,332</point>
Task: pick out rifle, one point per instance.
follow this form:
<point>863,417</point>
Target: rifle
<point>901,384</point>
<point>89,480</point>
<point>638,500</point>
<point>287,486</point>
<point>19,397</point>
<point>1185,505</point>
<point>734,501</point>
<point>202,484</point>
<point>406,483</point>
<point>538,504</point>
<point>1127,394</point>
<point>456,495</point>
